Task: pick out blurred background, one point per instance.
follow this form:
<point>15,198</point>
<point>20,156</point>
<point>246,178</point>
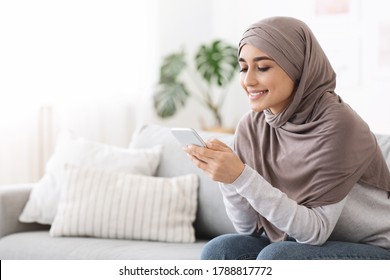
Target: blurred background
<point>92,67</point>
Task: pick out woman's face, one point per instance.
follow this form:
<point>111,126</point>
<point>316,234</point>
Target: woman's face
<point>264,82</point>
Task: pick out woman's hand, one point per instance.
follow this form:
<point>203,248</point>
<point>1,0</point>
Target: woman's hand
<point>217,160</point>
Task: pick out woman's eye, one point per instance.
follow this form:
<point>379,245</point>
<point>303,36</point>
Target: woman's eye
<point>263,69</point>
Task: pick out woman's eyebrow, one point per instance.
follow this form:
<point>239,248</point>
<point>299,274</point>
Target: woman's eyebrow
<point>256,59</point>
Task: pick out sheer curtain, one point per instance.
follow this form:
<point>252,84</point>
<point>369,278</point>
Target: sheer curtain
<point>68,65</point>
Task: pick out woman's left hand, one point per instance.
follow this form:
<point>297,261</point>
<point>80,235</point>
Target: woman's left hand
<point>217,160</point>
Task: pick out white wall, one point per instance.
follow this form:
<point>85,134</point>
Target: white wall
<point>75,64</point>
<point>351,42</point>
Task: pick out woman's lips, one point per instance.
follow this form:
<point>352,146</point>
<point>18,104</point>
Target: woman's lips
<point>253,95</point>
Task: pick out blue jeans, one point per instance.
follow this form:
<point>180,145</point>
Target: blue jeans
<point>247,247</point>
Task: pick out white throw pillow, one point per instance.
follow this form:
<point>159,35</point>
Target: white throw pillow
<point>125,206</point>
<point>42,204</point>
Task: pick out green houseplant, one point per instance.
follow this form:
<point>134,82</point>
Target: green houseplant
<point>215,63</point>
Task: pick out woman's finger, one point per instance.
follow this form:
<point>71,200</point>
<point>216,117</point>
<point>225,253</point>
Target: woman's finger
<point>217,145</point>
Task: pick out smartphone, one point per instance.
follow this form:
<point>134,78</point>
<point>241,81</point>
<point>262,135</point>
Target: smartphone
<point>188,136</point>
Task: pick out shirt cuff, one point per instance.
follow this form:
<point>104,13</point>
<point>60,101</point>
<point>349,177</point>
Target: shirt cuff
<point>245,178</point>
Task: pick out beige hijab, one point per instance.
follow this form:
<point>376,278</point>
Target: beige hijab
<point>318,147</point>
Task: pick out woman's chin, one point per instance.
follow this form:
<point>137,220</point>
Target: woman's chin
<point>257,109</point>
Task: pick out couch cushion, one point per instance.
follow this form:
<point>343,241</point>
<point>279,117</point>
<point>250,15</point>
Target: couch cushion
<point>39,245</point>
<point>211,217</point>
<point>126,206</point>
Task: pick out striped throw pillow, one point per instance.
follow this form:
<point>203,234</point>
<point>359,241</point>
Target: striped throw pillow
<point>106,204</point>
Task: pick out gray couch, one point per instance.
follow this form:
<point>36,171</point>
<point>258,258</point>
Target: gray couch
<point>32,241</point>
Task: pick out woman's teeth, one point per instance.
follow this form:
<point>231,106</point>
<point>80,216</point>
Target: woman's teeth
<point>258,93</point>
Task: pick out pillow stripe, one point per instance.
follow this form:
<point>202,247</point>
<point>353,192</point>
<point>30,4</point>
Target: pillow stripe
<point>98,208</point>
<point>167,214</point>
<point>146,206</point>
<point>121,213</point>
<point>137,212</point>
<point>83,209</point>
<point>156,222</point>
<point>86,221</point>
<point>132,210</point>
<point>91,210</point>
<point>101,210</point>
<point>72,196</point>
<point>147,225</point>
<point>178,212</point>
<point>113,200</point>
<point>114,209</point>
<point>119,205</point>
<point>186,208</point>
<point>111,205</point>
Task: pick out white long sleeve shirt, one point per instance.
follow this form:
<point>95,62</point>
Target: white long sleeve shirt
<point>363,216</point>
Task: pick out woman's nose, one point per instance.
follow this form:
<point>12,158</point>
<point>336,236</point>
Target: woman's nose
<point>250,78</point>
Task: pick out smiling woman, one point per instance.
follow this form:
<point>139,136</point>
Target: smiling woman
<point>66,63</point>
<point>303,161</point>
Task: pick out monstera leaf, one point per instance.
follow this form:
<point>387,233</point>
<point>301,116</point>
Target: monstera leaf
<point>217,63</point>
<point>171,67</point>
<point>169,98</point>
<point>171,93</point>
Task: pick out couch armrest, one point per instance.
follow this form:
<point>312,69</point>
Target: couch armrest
<point>12,201</point>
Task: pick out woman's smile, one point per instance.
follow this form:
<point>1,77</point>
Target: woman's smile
<point>254,95</point>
